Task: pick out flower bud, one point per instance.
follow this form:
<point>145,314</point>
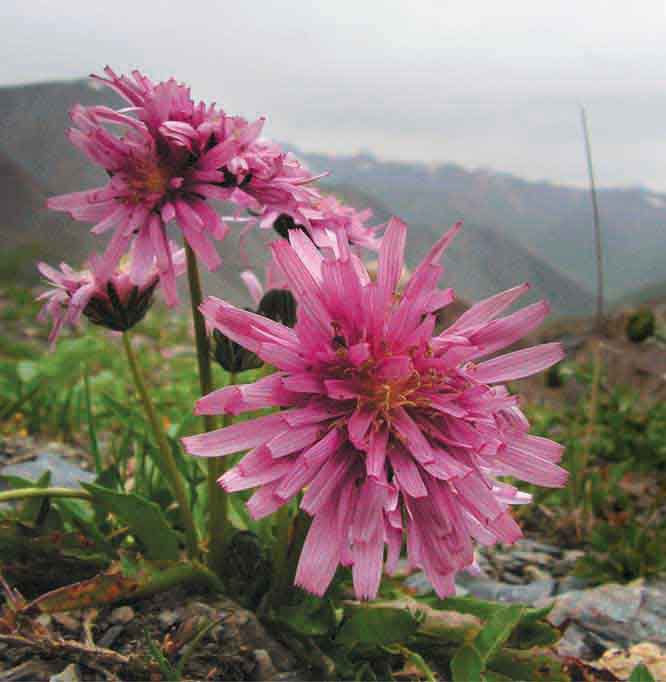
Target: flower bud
<point>279,305</point>
<point>119,312</point>
<point>232,356</point>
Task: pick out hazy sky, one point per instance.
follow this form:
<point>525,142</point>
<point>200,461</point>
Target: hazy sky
<point>483,83</point>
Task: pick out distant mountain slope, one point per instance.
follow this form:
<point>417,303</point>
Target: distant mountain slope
<point>551,221</point>
<point>514,230</point>
<point>35,120</point>
<point>30,231</point>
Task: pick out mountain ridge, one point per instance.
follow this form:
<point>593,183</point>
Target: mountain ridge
<point>491,253</point>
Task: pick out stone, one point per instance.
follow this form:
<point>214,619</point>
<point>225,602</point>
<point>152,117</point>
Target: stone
<point>169,618</point>
<point>122,615</point>
<point>493,590</point>
<point>64,474</point>
<point>265,670</point>
<point>571,583</point>
<point>537,558</point>
<point>622,663</point>
<point>110,636</point>
<point>67,622</point>
<point>619,615</point>
<point>69,674</point>
<point>535,573</point>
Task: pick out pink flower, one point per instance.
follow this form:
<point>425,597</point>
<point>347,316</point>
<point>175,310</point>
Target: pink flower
<point>388,426</point>
<point>170,157</point>
<point>326,220</point>
<point>117,302</point>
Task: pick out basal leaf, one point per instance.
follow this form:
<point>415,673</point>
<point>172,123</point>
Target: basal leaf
<point>641,674</point>
<point>369,626</point>
<point>497,630</point>
<point>145,519</point>
<point>466,665</point>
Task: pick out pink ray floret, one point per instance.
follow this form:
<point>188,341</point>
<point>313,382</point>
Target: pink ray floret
<point>117,301</point>
<point>166,157</point>
<point>391,429</point>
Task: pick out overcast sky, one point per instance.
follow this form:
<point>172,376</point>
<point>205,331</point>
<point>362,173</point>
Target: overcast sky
<point>482,83</point>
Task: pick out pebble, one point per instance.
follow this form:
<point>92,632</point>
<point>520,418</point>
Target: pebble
<point>538,558</point>
<point>70,624</point>
<point>110,636</point>
<point>69,674</point>
<point>536,573</point>
<point>265,669</point>
<point>122,615</point>
<point>169,618</point>
<point>64,474</point>
<point>611,616</point>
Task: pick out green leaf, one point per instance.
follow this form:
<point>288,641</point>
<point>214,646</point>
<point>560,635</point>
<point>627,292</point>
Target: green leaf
<point>312,617</point>
<point>641,674</point>
<point>528,635</point>
<point>369,626</point>
<point>466,665</point>
<point>92,433</point>
<point>145,519</point>
<point>497,630</point>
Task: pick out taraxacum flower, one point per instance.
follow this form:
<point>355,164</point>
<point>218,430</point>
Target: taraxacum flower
<point>117,302</point>
<point>171,156</point>
<point>389,427</point>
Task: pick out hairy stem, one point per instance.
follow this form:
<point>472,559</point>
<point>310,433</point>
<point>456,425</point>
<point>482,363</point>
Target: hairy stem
<point>168,461</point>
<point>218,523</point>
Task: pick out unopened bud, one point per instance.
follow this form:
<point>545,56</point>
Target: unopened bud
<point>117,311</point>
<point>231,355</point>
<point>279,305</point>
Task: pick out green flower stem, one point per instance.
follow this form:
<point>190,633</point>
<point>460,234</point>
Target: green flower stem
<point>170,467</point>
<point>26,493</point>
<point>219,528</point>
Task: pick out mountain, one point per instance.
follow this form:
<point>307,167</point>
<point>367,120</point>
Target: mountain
<point>552,222</point>
<point>30,232</point>
<point>514,230</point>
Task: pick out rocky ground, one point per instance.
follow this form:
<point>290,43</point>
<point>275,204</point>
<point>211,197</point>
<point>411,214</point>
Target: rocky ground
<point>610,626</point>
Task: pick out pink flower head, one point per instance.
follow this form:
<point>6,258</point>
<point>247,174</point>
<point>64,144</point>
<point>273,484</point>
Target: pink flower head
<point>326,220</point>
<point>169,156</point>
<point>388,426</point>
<point>117,302</point>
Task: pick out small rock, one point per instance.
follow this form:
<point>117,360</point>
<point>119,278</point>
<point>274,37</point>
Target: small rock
<point>265,670</point>
<point>535,573</point>
<point>169,618</point>
<point>622,663</point>
<point>67,622</point>
<point>110,636</point>
<point>512,579</point>
<point>122,615</point>
<point>64,474</point>
<point>532,546</point>
<point>621,615</point>
<point>419,583</point>
<point>44,619</point>
<point>493,590</point>
<point>69,674</point>
<point>572,555</point>
<point>538,558</point>
<point>570,583</point>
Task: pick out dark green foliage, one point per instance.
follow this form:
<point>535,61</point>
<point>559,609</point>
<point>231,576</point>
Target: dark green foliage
<point>641,674</point>
<point>246,569</point>
<point>640,325</point>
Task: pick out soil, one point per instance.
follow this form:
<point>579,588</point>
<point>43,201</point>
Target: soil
<point>112,643</point>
